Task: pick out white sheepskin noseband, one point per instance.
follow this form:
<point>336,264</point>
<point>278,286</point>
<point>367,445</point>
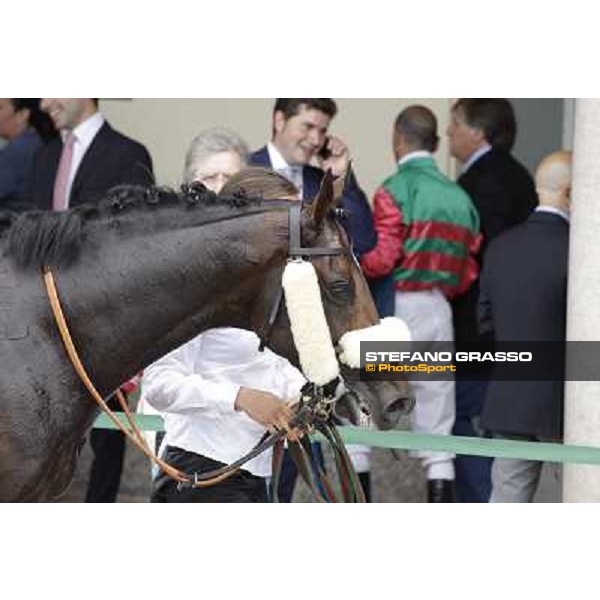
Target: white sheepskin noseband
<point>311,332</point>
<point>309,325</point>
<point>391,329</point>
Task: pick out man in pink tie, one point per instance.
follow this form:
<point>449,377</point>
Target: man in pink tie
<point>88,158</point>
<point>79,167</point>
<point>63,179</point>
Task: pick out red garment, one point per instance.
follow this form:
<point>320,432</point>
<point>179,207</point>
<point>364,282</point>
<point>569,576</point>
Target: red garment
<point>390,255</point>
<point>131,386</point>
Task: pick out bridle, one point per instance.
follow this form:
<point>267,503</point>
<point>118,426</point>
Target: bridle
<point>314,412</point>
<point>296,252</point>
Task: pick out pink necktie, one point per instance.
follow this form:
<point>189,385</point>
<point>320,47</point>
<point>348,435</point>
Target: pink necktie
<point>61,184</point>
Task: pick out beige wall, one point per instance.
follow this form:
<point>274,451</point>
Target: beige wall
<point>166,127</point>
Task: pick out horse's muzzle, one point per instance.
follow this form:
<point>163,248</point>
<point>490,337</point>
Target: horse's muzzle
<point>387,401</point>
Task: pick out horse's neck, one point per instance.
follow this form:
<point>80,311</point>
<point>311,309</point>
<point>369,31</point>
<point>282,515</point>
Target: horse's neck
<point>132,301</point>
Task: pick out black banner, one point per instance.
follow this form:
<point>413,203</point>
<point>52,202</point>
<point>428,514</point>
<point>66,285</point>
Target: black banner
<point>500,361</point>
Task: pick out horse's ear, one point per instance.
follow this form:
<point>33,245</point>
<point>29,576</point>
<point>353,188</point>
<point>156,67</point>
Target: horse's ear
<point>340,183</point>
<point>325,199</point>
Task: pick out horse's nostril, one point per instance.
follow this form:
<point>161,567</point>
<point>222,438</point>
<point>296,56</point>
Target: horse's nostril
<point>399,408</point>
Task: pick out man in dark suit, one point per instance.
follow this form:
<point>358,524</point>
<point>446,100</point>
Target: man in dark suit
<point>524,299</point>
<point>482,134</point>
<point>98,157</point>
<point>300,127</point>
<point>79,167</point>
<point>299,138</point>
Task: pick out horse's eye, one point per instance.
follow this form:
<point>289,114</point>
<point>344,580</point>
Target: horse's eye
<point>341,290</point>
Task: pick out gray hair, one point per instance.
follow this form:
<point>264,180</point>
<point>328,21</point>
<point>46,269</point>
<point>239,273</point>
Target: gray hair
<point>210,142</point>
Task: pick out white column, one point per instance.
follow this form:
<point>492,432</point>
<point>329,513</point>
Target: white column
<point>582,415</point>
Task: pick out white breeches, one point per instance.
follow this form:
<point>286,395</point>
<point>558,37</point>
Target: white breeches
<point>429,317</point>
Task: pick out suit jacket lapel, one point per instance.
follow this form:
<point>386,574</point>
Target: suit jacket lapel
<point>261,158</point>
<point>91,158</point>
<point>473,171</point>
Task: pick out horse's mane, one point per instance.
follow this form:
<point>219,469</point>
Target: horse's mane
<point>39,239</point>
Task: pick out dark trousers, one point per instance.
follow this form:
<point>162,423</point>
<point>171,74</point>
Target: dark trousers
<point>365,482</point>
<point>241,488</point>
<point>109,450</point>
<point>384,295</point>
<point>473,473</point>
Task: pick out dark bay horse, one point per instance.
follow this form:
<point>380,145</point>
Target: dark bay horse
<point>138,276</point>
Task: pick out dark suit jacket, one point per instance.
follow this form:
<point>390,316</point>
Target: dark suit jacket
<point>524,298</point>
<point>504,194</point>
<point>360,222</point>
<point>112,159</point>
<point>502,190</point>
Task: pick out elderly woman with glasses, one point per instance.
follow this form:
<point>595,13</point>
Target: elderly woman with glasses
<point>214,157</point>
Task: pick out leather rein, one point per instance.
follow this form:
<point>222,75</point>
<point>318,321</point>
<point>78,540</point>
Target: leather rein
<point>314,413</point>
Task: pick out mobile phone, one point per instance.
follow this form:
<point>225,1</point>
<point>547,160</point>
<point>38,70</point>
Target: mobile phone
<point>324,153</point>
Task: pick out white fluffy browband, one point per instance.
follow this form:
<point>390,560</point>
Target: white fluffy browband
<point>391,329</point>
<point>309,326</point>
<point>311,332</point>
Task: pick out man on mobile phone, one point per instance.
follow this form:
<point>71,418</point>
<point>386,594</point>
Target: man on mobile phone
<point>301,150</point>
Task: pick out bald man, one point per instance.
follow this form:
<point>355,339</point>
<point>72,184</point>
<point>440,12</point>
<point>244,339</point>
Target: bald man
<point>523,299</point>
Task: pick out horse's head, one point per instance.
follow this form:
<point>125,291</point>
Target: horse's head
<point>316,235</point>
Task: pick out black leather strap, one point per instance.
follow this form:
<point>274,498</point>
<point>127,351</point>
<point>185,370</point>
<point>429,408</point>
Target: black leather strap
<point>264,336</point>
<point>296,249</point>
<point>267,441</point>
<point>278,454</point>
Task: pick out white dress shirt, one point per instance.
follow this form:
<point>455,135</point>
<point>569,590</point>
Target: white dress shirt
<point>295,174</point>
<point>84,136</point>
<point>196,386</point>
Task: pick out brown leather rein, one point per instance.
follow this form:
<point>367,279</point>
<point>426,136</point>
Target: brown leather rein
<point>133,432</point>
<point>314,413</point>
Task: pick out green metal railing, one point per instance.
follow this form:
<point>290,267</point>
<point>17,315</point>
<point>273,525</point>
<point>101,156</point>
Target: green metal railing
<point>404,440</point>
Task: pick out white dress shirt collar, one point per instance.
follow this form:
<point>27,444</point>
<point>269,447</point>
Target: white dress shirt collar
<point>294,173</point>
<point>278,163</point>
<point>86,132</point>
<point>475,157</point>
<point>554,211</point>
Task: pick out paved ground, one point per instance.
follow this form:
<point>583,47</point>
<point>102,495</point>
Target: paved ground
<point>135,483</point>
